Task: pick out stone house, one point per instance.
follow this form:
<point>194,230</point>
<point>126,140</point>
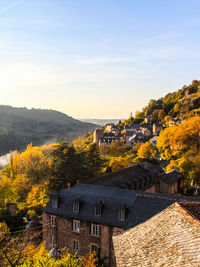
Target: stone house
<point>170,238</point>
<point>171,182</point>
<point>146,131</point>
<point>145,177</point>
<point>108,138</point>
<point>97,135</point>
<point>109,127</point>
<point>157,127</point>
<point>84,218</point>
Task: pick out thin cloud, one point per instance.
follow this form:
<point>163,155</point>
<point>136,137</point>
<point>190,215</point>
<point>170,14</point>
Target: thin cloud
<point>9,6</point>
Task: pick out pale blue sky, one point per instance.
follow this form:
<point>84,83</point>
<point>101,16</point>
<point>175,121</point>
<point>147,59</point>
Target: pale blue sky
<point>96,58</point>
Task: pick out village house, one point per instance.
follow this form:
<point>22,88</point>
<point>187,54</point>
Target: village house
<point>130,134</point>
<point>85,217</point>
<point>157,128</point>
<point>170,238</point>
<point>102,137</point>
<point>108,138</point>
<point>143,177</point>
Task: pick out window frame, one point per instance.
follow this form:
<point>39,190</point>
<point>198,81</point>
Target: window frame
<point>122,214</point>
<point>93,250</point>
<point>75,242</point>
<point>98,210</point>
<point>76,206</point>
<point>53,221</point>
<point>54,203</point>
<point>95,229</point>
<point>75,228</point>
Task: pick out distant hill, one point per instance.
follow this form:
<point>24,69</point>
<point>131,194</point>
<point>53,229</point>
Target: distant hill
<point>101,122</point>
<point>21,126</point>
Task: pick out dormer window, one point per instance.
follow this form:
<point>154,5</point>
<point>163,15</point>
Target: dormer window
<point>54,203</point>
<point>98,208</point>
<point>122,214</point>
<point>76,206</point>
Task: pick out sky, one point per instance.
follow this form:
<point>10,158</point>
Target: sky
<point>96,58</point>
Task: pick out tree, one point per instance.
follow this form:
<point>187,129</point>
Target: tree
<point>157,115</point>
<point>147,151</point>
<point>115,149</point>
<point>94,162</point>
<point>38,196</point>
<point>117,164</point>
<point>139,116</point>
<point>180,144</point>
<point>20,253</point>
<point>68,167</point>
<point>178,140</point>
<point>3,230</point>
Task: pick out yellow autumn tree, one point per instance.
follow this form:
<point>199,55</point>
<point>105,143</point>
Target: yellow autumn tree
<point>178,140</point>
<point>38,196</point>
<point>147,151</point>
<point>118,164</point>
<point>181,144</point>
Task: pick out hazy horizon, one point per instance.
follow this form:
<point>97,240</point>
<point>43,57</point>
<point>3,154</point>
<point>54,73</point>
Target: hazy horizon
<point>96,59</point>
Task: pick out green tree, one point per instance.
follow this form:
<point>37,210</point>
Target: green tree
<point>68,167</point>
<point>94,162</point>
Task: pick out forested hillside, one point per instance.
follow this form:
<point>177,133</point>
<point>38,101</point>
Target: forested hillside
<point>182,104</point>
<point>21,126</point>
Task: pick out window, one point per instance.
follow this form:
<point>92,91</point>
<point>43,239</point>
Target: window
<point>75,246</point>
<point>53,221</point>
<point>54,203</point>
<point>95,229</point>
<point>76,206</point>
<point>76,226</point>
<point>121,214</point>
<point>95,248</point>
<point>98,208</point>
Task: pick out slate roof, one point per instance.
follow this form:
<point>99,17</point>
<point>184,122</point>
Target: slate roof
<point>170,177</point>
<point>89,196</point>
<point>171,238</point>
<point>130,133</point>
<point>136,177</point>
<point>140,205</point>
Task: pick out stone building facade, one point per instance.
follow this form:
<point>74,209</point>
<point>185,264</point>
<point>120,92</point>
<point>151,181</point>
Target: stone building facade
<point>85,217</point>
<point>80,241</point>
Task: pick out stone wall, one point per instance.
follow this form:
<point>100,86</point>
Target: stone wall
<point>164,188</point>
